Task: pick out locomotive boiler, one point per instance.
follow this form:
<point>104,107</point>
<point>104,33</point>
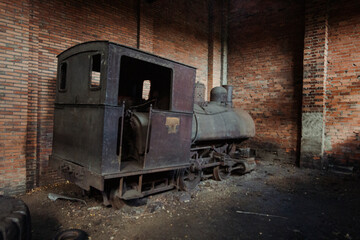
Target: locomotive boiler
<point>125,123</point>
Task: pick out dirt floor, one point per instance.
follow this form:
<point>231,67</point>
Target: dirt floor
<point>273,202</point>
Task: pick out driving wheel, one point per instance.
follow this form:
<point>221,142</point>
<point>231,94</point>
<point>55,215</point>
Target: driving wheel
<point>221,173</point>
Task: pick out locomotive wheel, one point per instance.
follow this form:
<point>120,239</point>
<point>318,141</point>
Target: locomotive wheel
<point>221,173</point>
<point>189,180</point>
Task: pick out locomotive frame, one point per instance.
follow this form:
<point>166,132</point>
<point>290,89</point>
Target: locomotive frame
<point>108,136</point>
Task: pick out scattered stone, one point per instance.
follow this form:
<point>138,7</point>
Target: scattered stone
<point>206,184</point>
<point>186,197</point>
<point>153,207</point>
<point>132,211</point>
<point>139,211</point>
<point>94,208</point>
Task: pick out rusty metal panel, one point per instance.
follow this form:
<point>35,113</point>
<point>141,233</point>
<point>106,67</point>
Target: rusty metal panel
<point>88,136</point>
<point>78,135</point>
<point>111,140</point>
<point>78,74</point>
<point>77,174</point>
<point>169,142</point>
<point>183,88</point>
<point>113,75</point>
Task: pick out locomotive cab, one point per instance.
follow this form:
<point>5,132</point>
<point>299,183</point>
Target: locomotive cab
<point>120,117</point>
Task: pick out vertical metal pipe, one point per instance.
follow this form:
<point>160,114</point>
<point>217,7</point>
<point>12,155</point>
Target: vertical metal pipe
<point>224,40</point>
<point>140,183</point>
<point>229,89</point>
<point>210,81</point>
<point>147,136</point>
<point>121,130</point>
<point>138,13</point>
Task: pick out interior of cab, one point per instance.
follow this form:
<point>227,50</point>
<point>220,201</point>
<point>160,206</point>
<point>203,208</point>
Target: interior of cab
<point>143,83</point>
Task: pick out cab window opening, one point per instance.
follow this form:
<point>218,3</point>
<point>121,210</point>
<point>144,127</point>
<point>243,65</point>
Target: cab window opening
<point>146,90</point>
<point>95,71</point>
<point>144,82</point>
<point>63,72</point>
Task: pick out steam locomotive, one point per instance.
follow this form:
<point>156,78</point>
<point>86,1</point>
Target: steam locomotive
<point>125,123</point>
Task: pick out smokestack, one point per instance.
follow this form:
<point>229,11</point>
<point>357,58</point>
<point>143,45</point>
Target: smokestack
<point>229,89</point>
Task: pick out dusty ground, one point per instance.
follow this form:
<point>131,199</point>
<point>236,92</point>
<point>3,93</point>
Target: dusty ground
<point>273,202</point>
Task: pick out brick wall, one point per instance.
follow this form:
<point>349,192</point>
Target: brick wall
<point>33,32</point>
<point>266,40</point>
<point>14,74</point>
<point>331,113</point>
<point>342,126</point>
<point>295,68</point>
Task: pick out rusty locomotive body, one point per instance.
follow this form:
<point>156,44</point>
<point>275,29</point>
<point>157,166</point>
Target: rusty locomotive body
<point>125,123</point>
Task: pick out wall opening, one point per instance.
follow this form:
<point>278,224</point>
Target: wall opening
<point>143,83</point>
<point>63,72</point>
<point>95,71</point>
<point>146,90</point>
